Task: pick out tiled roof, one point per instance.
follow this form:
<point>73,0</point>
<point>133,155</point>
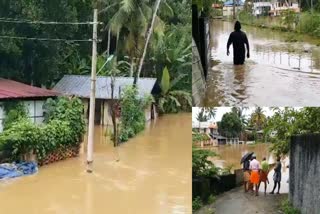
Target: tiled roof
<point>79,85</point>
<point>10,89</point>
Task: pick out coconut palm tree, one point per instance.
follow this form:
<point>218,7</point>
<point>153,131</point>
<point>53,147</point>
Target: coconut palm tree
<point>258,118</point>
<point>131,23</point>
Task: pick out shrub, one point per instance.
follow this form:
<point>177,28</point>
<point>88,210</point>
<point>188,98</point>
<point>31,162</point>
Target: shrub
<point>132,113</point>
<point>64,127</point>
<point>287,208</point>
<point>14,111</point>
<point>196,203</point>
<point>20,139</point>
<point>69,110</point>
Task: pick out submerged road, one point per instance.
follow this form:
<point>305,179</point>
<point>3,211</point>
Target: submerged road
<point>153,175</point>
<point>278,73</point>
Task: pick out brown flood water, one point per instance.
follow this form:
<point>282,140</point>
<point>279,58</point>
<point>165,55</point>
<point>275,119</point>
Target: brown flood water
<point>152,176</point>
<point>232,154</point>
<point>278,73</point>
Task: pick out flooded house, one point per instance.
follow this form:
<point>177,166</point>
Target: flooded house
<point>261,8</point>
<point>227,10</point>
<point>273,7</point>
<point>278,6</point>
<point>79,86</point>
<point>33,98</point>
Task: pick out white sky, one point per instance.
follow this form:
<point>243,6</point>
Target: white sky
<point>222,110</point>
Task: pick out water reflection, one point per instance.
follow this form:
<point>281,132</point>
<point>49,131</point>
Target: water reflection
<point>278,73</point>
<point>152,176</point>
<point>230,155</point>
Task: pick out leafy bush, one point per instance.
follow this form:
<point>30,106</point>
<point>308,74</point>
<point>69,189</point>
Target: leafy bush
<point>69,110</point>
<point>132,113</point>
<point>198,137</point>
<point>64,127</point>
<point>196,204</point>
<point>287,208</point>
<point>14,111</point>
<point>201,166</point>
<point>20,139</point>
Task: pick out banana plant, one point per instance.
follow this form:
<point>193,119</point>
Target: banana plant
<point>172,100</point>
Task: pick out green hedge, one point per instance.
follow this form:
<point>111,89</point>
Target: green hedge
<point>132,113</point>
<point>64,127</point>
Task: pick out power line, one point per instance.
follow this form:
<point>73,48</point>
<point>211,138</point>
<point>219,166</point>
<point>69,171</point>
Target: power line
<point>23,21</point>
<point>47,39</point>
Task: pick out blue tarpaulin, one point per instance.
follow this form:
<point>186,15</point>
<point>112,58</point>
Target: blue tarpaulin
<point>12,170</point>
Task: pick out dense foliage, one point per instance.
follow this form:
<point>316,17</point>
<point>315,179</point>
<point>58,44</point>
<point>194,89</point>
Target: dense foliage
<point>198,137</point>
<point>201,166</point>
<point>132,113</point>
<point>288,122</point>
<point>65,126</point>
<point>123,34</point>
<point>170,100</point>
<point>14,111</point>
<point>230,125</point>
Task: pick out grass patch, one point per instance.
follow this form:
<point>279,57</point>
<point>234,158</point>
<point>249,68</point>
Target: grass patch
<point>287,208</point>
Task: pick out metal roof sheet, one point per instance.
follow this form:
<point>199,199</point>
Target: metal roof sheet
<point>79,85</point>
<point>10,89</point>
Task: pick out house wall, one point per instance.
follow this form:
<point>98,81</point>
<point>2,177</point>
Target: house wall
<point>304,172</point>
<point>106,118</point>
<point>34,108</point>
<point>228,10</point>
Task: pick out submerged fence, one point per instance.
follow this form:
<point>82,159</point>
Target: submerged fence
<point>305,173</point>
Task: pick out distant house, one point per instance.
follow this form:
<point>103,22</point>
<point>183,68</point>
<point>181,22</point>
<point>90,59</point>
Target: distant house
<point>227,9</point>
<point>79,86</point>
<point>261,8</point>
<point>278,6</point>
<point>32,97</point>
<point>205,127</point>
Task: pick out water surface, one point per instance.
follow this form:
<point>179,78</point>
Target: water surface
<point>152,176</point>
<point>230,155</point>
<point>278,73</point>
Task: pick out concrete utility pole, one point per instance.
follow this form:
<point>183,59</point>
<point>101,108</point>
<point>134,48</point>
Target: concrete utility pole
<point>234,9</point>
<point>92,93</point>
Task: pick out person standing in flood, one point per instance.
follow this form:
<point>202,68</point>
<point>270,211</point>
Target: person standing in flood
<point>264,174</point>
<point>255,168</point>
<point>277,176</point>
<point>238,39</point>
<point>246,175</point>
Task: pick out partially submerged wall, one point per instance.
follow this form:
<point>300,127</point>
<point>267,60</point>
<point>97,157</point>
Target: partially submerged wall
<point>304,166</point>
<point>198,79</point>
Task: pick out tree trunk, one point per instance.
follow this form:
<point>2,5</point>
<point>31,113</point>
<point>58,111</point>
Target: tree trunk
<point>156,8</point>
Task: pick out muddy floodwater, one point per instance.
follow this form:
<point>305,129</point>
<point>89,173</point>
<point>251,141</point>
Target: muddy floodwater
<point>153,175</point>
<point>232,154</point>
<point>278,73</point>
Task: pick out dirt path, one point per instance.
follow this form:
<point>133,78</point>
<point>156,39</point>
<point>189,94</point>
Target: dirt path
<point>236,201</point>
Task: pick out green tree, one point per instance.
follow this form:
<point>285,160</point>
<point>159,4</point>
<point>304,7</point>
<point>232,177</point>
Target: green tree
<point>287,122</point>
<point>258,119</point>
<point>230,125</point>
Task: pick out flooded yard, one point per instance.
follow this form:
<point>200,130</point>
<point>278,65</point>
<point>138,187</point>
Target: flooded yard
<point>230,155</point>
<point>151,176</point>
<point>278,72</point>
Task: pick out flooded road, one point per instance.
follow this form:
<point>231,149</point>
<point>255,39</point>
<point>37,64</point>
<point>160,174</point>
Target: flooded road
<point>152,176</point>
<point>232,154</point>
<point>278,73</point>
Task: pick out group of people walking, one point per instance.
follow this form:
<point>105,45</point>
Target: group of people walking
<point>256,173</point>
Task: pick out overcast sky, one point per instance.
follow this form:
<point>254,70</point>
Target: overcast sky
<point>222,110</point>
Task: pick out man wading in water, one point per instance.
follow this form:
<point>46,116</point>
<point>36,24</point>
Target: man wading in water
<point>238,39</point>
